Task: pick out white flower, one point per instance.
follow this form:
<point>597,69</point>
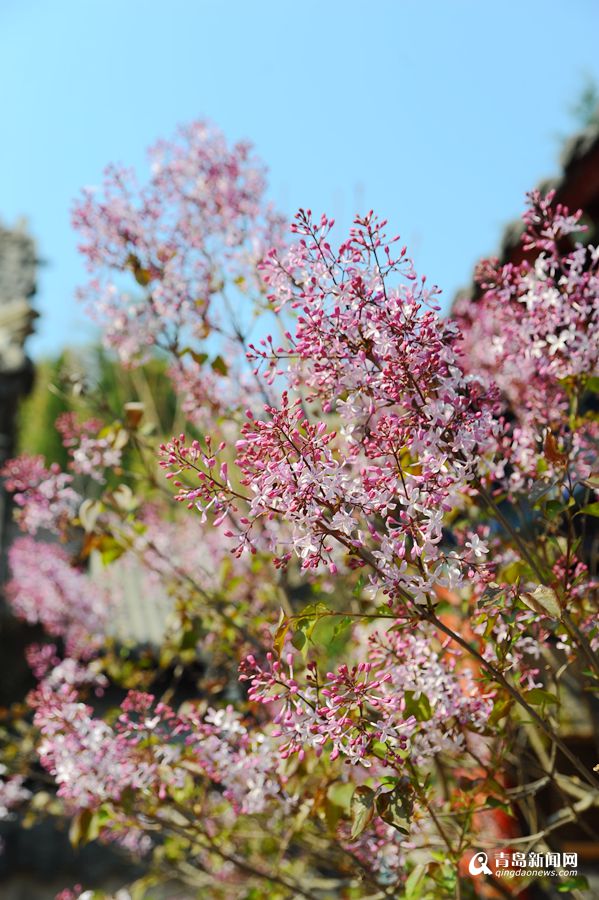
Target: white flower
<point>478,547</point>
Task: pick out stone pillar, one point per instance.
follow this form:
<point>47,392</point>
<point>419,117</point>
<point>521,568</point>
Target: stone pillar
<point>18,264</point>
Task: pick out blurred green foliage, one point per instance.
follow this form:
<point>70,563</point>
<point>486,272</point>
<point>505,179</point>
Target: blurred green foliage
<point>92,383</point>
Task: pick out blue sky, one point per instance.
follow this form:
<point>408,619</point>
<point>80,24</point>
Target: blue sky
<point>439,115</point>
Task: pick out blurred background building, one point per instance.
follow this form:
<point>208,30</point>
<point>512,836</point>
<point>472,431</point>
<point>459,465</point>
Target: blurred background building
<point>18,265</point>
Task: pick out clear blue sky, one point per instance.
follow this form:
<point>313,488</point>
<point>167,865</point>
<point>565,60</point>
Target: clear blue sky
<point>439,114</point>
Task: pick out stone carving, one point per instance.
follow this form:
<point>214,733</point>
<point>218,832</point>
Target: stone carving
<point>17,286</point>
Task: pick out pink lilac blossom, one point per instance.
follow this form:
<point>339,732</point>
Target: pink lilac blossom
<point>41,659</point>
<point>382,850</point>
<point>414,664</point>
<point>384,430</point>
<point>196,566</point>
<point>45,587</point>
<point>351,708</point>
<point>132,840</point>
<point>44,496</point>
<point>91,451</point>
<point>534,329</point>
<point>246,763</point>
<point>77,893</point>
<point>89,760</point>
<point>13,793</point>
<point>332,713</point>
<point>170,550</point>
<point>151,748</point>
<point>191,237</point>
<point>514,640</point>
<point>219,391</point>
<point>415,429</point>
<point>370,345</point>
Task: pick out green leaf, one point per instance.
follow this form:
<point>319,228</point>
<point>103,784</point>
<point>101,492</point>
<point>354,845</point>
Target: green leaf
<point>420,708</point>
<point>199,358</point>
<point>298,640</point>
<point>110,549</point>
<point>553,509</point>
<point>337,803</point>
<point>490,594</point>
<point>543,600</point>
<point>359,585</point>
<point>219,365</point>
<point>280,634</point>
<point>141,275</point>
<point>591,510</point>
<point>539,696</point>
<point>514,571</point>
<point>127,802</point>
<point>332,633</point>
<point>395,808</point>
<point>539,489</point>
<point>139,889</point>
<point>305,624</point>
<point>490,626</point>
<point>592,383</point>
<point>379,749</point>
<point>500,709</point>
<point>342,625</point>
<point>574,883</point>
<point>84,828</point>
<point>193,633</point>
<point>332,814</point>
<point>340,793</point>
<point>362,810</point>
<point>414,881</point>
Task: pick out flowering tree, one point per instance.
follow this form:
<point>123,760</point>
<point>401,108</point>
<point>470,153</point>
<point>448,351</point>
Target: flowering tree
<point>383,576</point>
